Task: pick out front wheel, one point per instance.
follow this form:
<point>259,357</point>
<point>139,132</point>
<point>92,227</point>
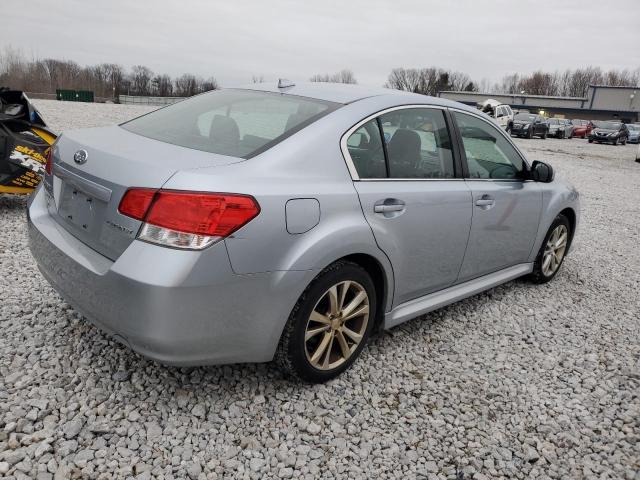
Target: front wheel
<point>552,251</point>
<point>329,325</point>
<point>530,133</point>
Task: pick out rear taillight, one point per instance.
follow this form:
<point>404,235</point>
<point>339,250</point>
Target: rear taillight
<point>48,154</point>
<point>192,220</point>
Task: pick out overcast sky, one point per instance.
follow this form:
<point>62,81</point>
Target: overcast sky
<point>234,39</point>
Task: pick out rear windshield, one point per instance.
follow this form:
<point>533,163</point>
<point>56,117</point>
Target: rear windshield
<point>608,125</point>
<point>525,116</point>
<point>239,123</point>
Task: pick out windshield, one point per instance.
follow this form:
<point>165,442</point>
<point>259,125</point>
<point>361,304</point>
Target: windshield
<point>527,117</point>
<point>554,121</point>
<point>633,127</point>
<point>607,125</point>
<point>239,123</point>
<point>579,122</point>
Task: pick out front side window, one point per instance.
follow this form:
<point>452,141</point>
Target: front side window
<point>239,123</point>
<point>489,154</point>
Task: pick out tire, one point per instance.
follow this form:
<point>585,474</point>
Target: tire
<point>530,133</point>
<point>590,141</point>
<point>544,136</point>
<point>295,354</point>
<point>624,142</point>
<point>541,272</point>
<point>615,142</point>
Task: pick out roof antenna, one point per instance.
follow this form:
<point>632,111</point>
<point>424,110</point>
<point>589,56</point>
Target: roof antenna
<point>284,83</point>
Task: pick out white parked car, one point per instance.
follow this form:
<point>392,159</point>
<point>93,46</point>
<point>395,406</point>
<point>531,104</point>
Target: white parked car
<point>500,112</point>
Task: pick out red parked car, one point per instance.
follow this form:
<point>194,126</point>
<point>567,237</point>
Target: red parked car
<point>581,128</point>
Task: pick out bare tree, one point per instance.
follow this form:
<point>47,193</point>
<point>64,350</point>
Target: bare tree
<point>186,85</point>
<point>208,85</point>
<point>343,76</point>
<point>141,79</point>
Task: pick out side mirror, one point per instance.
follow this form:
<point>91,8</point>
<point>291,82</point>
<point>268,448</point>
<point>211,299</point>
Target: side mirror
<point>541,172</point>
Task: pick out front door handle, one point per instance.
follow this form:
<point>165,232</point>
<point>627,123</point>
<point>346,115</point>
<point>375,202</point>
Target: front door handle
<point>485,201</point>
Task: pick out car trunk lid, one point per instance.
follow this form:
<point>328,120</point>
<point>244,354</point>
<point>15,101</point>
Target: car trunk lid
<point>87,187</point>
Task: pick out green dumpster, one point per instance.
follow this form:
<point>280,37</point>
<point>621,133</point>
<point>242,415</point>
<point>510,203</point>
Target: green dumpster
<point>74,95</point>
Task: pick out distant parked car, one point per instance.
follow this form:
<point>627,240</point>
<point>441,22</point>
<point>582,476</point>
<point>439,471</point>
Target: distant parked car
<point>560,128</point>
<point>609,132</point>
<point>529,125</point>
<point>634,132</point>
<point>500,112</point>
<point>581,128</point>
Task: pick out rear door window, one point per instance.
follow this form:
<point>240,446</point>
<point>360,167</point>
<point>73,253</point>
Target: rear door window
<point>416,145</point>
<point>239,123</point>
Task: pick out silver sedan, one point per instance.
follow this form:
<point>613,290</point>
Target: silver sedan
<point>289,222</point>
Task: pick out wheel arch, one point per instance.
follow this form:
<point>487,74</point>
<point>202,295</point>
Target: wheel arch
<point>571,216</point>
<point>380,281</point>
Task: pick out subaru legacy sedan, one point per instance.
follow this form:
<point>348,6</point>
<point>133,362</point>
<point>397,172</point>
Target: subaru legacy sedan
<point>289,222</point>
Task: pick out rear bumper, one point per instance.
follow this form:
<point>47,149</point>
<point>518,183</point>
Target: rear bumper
<point>175,307</point>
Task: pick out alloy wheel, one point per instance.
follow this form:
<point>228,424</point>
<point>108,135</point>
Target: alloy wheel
<point>337,325</point>
<point>555,250</point>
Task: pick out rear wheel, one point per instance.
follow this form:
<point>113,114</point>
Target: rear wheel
<point>552,251</point>
<point>544,136</point>
<point>329,324</point>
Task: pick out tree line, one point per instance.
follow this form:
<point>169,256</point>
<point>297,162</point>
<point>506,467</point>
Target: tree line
<point>108,80</point>
<point>569,83</point>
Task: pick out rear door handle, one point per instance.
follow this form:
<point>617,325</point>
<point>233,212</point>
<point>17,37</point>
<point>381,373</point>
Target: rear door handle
<point>485,201</point>
<point>396,207</point>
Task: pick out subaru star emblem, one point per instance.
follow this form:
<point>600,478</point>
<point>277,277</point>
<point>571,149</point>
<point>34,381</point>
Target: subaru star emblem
<point>80,157</point>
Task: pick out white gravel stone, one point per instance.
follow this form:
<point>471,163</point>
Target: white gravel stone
<point>519,382</point>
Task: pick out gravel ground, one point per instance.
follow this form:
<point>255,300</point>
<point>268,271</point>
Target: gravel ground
<point>522,381</point>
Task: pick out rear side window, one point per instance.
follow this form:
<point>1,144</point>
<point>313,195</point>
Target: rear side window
<point>416,146</point>
<point>366,151</point>
<point>239,123</point>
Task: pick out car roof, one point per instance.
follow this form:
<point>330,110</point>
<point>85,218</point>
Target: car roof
<point>349,93</point>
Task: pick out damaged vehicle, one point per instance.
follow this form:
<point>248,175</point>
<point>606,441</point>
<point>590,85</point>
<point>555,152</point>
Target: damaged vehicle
<point>24,143</point>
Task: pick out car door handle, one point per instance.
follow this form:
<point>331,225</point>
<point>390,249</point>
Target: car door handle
<point>394,207</point>
<point>485,201</point>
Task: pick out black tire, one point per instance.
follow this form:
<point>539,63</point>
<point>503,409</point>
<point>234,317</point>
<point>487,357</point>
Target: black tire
<point>615,142</point>
<point>530,133</point>
<point>291,356</point>
<point>544,136</point>
<point>538,276</point>
<point>624,142</point>
<point>590,141</point>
